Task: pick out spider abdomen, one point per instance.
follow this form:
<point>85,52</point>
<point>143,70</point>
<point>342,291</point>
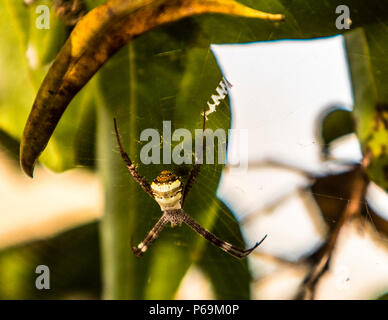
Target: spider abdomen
<point>167,191</point>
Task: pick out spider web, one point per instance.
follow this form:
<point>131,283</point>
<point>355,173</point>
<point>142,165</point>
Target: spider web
<point>308,77</point>
<point>281,91</point>
<point>270,198</point>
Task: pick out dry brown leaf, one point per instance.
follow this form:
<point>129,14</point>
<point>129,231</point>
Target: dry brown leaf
<point>96,37</point>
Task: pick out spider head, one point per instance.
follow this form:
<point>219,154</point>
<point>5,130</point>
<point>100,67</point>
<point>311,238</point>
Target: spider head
<point>167,190</point>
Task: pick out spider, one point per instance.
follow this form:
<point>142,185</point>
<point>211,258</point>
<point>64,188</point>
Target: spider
<point>168,191</point>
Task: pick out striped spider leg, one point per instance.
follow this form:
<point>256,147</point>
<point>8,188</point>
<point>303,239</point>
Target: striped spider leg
<point>223,245</point>
<point>167,190</point>
<point>131,167</point>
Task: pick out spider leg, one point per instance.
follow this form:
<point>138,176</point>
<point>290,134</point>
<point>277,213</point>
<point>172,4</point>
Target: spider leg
<point>131,167</point>
<point>151,236</point>
<point>223,245</point>
<point>197,166</point>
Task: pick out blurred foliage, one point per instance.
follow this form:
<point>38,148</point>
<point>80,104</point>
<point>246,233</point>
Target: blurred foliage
<point>73,258</point>
<point>175,249</point>
<point>97,36</point>
<point>336,123</point>
<point>370,108</point>
<point>10,146</point>
<point>25,57</point>
<point>332,192</point>
<point>169,74</point>
<point>383,297</point>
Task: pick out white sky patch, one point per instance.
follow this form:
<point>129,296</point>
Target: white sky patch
<point>195,286</point>
<point>280,91</point>
<point>346,149</point>
<point>280,285</point>
<point>34,209</point>
<point>294,227</point>
<point>359,266</point>
<point>255,189</point>
<point>377,199</point>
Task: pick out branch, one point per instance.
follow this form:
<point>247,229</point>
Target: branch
<point>322,264</point>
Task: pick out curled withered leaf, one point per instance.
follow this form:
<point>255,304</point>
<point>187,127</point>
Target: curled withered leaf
<point>96,37</point>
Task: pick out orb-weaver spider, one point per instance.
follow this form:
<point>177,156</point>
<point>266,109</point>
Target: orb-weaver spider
<point>168,191</point>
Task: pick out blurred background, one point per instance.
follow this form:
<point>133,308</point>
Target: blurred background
<point>294,97</point>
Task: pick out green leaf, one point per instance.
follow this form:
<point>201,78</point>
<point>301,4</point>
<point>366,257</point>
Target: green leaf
<point>96,37</point>
<point>25,55</point>
<point>153,73</point>
<point>162,64</point>
<point>167,74</point>
<point>371,113</point>
<point>230,277</point>
<point>74,269</point>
